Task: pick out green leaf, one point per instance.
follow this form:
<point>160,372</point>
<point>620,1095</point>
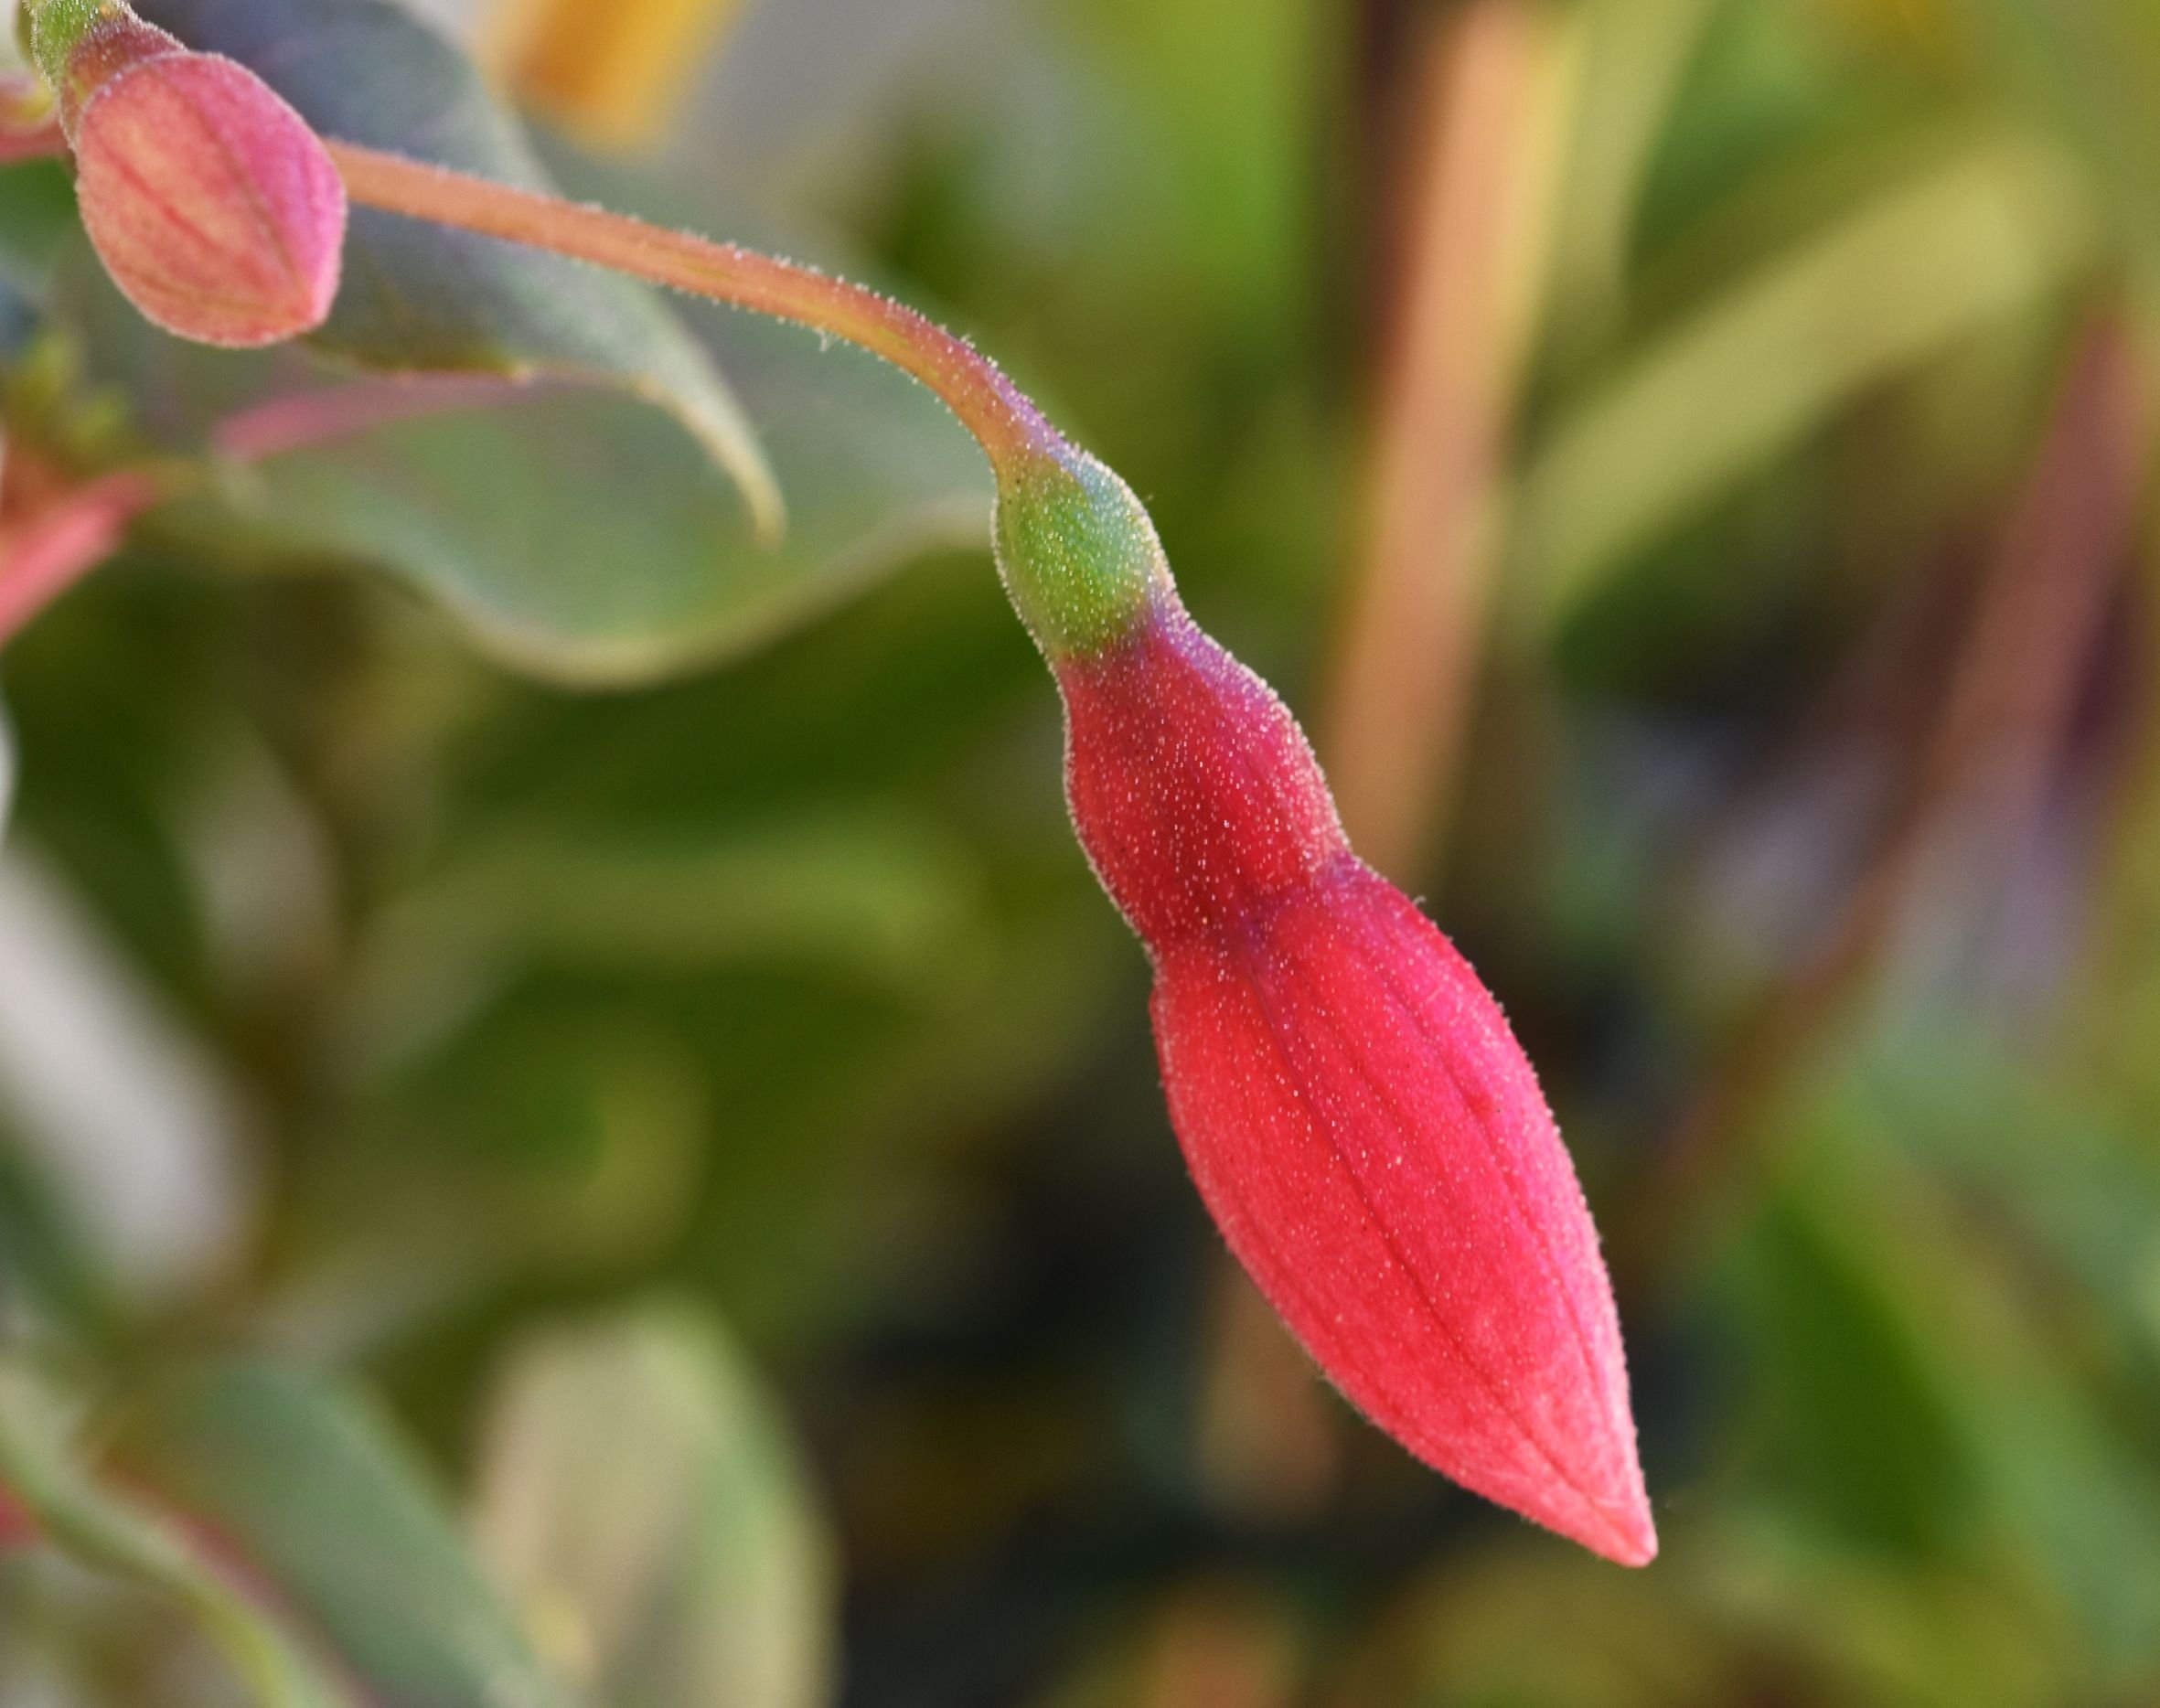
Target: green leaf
<point>877,897</point>
<point>1635,56</point>
<point>329,1506</point>
<point>2091,70</point>
<point>1857,1422</point>
<point>47,1260</point>
<point>534,1143</point>
<point>1938,257</point>
<point>1934,1399</point>
<point>36,220</point>
<point>1482,1636</point>
<point>574,533</point>
<point>419,297</point>
<point>641,1495</point>
<point>110,1531</point>
<point>583,538</point>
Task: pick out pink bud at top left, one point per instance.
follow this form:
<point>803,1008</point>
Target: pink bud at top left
<point>214,207</point>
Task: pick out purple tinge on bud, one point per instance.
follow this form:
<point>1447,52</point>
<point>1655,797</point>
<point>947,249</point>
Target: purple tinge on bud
<point>214,207</point>
<point>1360,1119</point>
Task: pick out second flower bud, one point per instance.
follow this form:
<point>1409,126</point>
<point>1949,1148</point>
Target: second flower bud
<point>212,204</point>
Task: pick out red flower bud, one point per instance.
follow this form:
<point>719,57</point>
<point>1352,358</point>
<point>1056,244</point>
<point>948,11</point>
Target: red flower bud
<point>1360,1120</point>
<point>214,207</point>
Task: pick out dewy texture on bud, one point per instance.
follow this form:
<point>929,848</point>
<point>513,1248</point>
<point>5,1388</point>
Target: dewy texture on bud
<point>214,207</point>
<point>1360,1120</point>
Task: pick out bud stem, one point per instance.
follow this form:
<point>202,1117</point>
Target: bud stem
<point>53,550</point>
<point>1011,429</point>
<point>1079,557</point>
<point>44,554</point>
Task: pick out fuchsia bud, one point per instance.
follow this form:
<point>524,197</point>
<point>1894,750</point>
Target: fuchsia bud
<point>1360,1120</point>
<point>211,203</point>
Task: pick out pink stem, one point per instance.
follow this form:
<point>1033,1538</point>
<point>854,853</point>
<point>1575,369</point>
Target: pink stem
<point>56,548</point>
<point>1007,424</point>
<point>44,143</point>
<point>17,1528</point>
<point>312,418</point>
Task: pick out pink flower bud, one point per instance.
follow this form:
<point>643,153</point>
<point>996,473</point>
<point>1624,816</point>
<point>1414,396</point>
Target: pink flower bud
<point>1360,1120</point>
<point>212,205</point>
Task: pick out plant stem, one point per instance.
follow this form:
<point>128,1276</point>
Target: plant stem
<point>1495,96</point>
<point>58,548</point>
<point>46,553</point>
<point>1011,429</point>
<point>42,143</point>
<point>78,1511</point>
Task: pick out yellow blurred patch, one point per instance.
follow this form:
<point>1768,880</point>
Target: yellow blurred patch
<point>612,72</point>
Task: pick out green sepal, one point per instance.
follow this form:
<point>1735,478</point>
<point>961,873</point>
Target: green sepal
<point>57,28</point>
<point>1080,557</point>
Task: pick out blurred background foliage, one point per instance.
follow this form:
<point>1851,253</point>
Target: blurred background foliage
<point>573,1128</point>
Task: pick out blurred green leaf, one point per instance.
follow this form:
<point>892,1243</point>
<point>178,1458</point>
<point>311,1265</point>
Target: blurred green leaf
<point>1853,1626</point>
<point>1741,1595</point>
<point>1483,1636</point>
<point>47,1260</point>
<point>539,1140</point>
<point>79,1512</point>
<point>419,297</point>
<point>640,1496</point>
<point>580,539</point>
<point>36,220</point>
<point>2093,69</point>
<point>2118,1006</point>
<point>574,533</point>
<point>1935,1359</point>
<point>1856,1420</point>
<point>870,896</point>
<point>2046,1267</point>
<point>2052,1152</point>
<point>1962,243</point>
<point>1218,94</point>
<point>1635,54</point>
<point>321,1498</point>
